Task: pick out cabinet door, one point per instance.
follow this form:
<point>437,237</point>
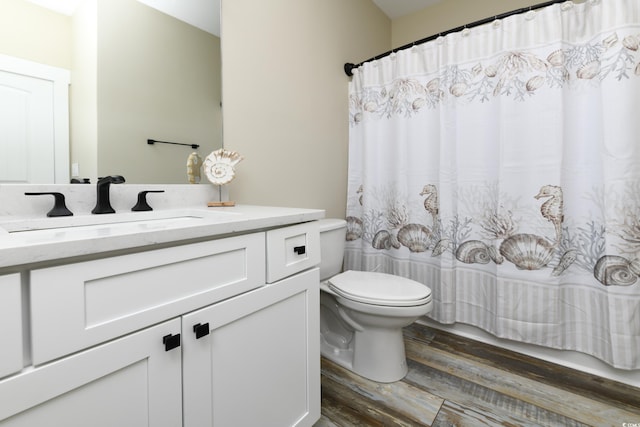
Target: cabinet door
<point>10,324</point>
<point>132,381</point>
<point>257,361</point>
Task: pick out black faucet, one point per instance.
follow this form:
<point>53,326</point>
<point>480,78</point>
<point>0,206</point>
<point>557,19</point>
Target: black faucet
<point>103,205</point>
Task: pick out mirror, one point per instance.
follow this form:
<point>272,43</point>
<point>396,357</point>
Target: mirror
<point>136,74</point>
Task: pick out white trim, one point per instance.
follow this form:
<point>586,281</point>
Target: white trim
<point>61,79</point>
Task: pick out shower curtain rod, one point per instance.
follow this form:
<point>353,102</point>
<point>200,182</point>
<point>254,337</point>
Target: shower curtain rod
<point>348,67</point>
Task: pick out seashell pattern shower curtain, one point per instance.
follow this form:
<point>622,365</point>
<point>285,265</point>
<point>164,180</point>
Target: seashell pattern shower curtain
<point>500,166</point>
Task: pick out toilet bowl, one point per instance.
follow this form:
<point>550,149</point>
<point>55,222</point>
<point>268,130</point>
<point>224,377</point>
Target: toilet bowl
<point>362,313</point>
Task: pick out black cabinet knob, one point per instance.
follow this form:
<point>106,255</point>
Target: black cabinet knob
<point>300,250</point>
<point>171,341</point>
<point>201,330</point>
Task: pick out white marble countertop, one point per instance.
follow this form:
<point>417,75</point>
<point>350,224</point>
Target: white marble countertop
<point>136,230</point>
<point>30,238</point>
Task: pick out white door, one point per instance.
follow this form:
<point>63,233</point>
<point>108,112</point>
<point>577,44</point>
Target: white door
<point>34,128</point>
<point>131,381</point>
<point>254,360</point>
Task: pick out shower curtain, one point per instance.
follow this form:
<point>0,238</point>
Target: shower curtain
<point>500,166</point>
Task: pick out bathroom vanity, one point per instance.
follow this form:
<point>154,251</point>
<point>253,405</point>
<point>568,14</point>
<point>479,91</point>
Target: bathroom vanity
<point>187,316</point>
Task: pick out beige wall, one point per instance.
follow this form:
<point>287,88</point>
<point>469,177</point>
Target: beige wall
<point>34,33</point>
<point>285,95</point>
<point>449,14</point>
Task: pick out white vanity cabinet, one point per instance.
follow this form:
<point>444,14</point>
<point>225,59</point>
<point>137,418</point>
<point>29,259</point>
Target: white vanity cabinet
<point>191,335</point>
<point>11,349</point>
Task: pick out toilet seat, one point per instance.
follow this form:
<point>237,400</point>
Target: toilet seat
<point>379,289</point>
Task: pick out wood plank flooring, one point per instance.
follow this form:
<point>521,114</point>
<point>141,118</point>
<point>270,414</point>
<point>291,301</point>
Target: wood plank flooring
<point>454,381</point>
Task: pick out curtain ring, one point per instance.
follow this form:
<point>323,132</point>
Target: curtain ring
<point>566,5</point>
<point>465,32</point>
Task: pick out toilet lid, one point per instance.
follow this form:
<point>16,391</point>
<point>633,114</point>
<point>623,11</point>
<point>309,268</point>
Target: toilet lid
<point>380,289</point>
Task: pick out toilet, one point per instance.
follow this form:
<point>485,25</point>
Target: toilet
<point>362,313</point>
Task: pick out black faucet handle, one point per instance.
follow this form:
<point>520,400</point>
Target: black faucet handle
<point>59,206</point>
<point>142,204</point>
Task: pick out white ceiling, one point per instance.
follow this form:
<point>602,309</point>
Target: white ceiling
<point>205,14</point>
<point>397,8</point>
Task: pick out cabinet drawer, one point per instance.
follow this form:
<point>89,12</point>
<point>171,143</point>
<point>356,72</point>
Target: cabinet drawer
<point>79,305</point>
<point>10,324</point>
<point>292,249</point>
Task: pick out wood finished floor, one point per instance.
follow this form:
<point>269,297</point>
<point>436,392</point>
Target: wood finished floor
<point>454,381</point>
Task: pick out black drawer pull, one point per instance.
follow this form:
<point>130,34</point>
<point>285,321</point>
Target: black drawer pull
<point>171,341</point>
<point>300,250</point>
<point>201,330</point>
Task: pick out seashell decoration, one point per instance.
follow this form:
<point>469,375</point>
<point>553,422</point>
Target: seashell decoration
<point>219,166</point>
<point>370,106</point>
<point>495,255</point>
<point>458,89</point>
<point>556,58</point>
<point>534,83</point>
<point>385,240</point>
<point>355,228</point>
<point>634,266</point>
<point>631,42</point>
<point>527,251</point>
<point>433,86</point>
<point>416,237</point>
<point>589,71</point>
<point>418,103</point>
<point>381,240</point>
<point>490,71</point>
<point>194,165</point>
<point>610,41</point>
<point>440,247</point>
<point>613,270</point>
<point>538,64</point>
<point>473,252</point>
<point>567,259</point>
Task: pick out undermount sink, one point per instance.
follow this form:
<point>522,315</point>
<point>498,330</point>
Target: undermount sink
<point>139,220</point>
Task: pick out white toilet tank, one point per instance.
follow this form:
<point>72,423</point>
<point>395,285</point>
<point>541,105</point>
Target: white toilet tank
<point>332,237</point>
